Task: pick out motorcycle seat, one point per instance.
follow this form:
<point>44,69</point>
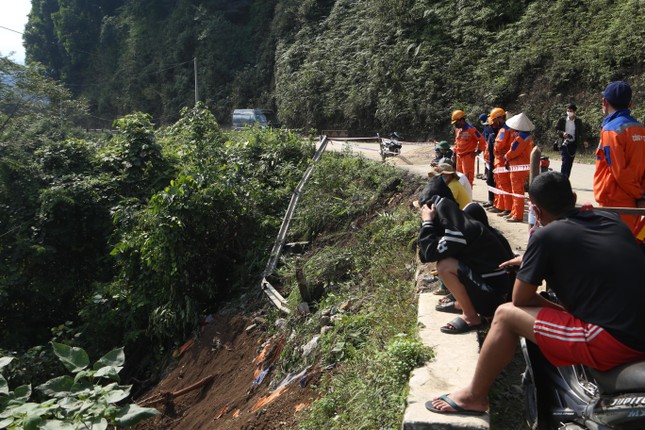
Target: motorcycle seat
<point>628,378</point>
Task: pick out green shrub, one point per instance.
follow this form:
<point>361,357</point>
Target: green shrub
<point>82,401</point>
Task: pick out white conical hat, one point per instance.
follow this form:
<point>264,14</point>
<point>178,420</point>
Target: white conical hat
<point>520,122</point>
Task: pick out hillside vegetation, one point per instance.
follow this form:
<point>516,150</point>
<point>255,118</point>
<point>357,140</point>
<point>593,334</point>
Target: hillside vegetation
<point>126,242</point>
<point>361,65</point>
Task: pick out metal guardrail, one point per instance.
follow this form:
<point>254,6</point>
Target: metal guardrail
<point>273,295</point>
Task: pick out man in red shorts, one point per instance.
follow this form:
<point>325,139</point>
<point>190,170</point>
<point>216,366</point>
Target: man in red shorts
<point>601,321</point>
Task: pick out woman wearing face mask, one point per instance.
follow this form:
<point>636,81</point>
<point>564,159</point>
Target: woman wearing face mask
<point>571,130</point>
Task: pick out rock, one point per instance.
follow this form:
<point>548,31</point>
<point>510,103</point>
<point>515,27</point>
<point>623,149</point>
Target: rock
<point>281,324</point>
<point>303,308</point>
<point>311,346</point>
<point>326,329</point>
<point>260,320</point>
<point>324,320</point>
<point>251,327</point>
<point>345,305</point>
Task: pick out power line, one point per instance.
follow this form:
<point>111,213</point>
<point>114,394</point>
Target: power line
<point>9,29</point>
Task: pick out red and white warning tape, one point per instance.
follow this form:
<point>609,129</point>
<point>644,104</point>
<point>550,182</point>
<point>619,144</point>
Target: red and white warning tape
<point>517,168</point>
<point>375,140</point>
<point>498,191</point>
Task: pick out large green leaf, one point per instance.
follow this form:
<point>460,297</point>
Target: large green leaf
<point>71,404</point>
<point>4,361</point>
<point>22,393</point>
<point>33,420</point>
<point>58,425</point>
<point>117,394</point>
<point>109,372</point>
<point>57,387</point>
<point>74,359</point>
<point>114,358</point>
<point>132,414</point>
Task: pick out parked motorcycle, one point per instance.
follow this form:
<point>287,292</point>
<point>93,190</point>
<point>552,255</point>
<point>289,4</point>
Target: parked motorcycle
<point>581,398</point>
<point>389,147</point>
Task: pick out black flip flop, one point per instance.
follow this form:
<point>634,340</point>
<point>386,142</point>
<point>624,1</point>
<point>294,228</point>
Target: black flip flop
<point>458,410</point>
<point>448,307</point>
<point>460,326</point>
<point>446,299</point>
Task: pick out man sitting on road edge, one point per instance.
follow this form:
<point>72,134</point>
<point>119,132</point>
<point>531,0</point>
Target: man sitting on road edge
<point>600,323</point>
<point>468,256</point>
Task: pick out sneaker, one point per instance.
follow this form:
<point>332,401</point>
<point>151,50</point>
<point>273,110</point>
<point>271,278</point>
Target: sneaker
<point>511,219</point>
<point>504,213</point>
<point>487,205</point>
<point>494,210</point>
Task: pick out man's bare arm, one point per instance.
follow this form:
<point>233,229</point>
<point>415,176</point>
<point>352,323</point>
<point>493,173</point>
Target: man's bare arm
<point>526,295</point>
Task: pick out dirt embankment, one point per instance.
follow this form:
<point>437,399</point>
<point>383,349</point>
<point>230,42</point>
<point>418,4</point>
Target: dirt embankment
<point>211,385</point>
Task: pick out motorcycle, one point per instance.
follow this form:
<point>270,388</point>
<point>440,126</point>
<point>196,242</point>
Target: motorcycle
<point>389,147</point>
<point>581,398</point>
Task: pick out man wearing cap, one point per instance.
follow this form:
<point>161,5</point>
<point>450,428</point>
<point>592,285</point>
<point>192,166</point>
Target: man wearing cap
<point>468,143</point>
<point>518,158</point>
<point>503,201</point>
<point>619,180</point>
<point>447,172</point>
<point>442,150</point>
<point>572,132</point>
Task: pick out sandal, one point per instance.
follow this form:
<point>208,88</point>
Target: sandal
<point>446,299</point>
<point>458,410</point>
<point>460,326</point>
<point>441,291</point>
<point>448,307</point>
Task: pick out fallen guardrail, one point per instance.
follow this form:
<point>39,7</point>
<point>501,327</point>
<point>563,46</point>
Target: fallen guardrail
<point>274,295</point>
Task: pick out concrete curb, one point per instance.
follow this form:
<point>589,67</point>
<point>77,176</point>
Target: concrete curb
<point>452,368</point>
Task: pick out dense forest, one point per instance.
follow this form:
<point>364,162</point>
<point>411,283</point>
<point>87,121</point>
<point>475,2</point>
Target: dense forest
<point>358,65</point>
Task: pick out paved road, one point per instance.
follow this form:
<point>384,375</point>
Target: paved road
<point>581,174</point>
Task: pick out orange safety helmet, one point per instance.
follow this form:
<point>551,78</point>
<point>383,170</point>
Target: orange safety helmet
<point>496,113</point>
<point>457,115</point>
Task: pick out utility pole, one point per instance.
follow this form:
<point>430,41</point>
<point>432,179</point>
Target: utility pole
<point>196,93</point>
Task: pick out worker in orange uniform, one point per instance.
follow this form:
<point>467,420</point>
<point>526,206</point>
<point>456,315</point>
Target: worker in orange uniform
<point>619,180</point>
<point>503,201</point>
<point>468,143</point>
<point>518,159</point>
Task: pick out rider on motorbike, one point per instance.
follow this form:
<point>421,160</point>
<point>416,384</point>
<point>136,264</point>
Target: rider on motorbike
<point>592,262</point>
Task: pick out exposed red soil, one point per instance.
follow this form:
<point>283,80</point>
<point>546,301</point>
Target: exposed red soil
<point>225,359</point>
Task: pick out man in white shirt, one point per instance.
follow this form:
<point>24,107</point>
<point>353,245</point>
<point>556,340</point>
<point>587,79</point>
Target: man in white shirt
<point>572,132</point>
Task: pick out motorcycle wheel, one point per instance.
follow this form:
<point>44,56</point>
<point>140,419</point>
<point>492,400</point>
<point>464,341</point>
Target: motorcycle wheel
<point>537,397</point>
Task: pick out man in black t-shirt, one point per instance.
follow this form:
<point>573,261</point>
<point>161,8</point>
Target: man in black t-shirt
<point>592,262</point>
